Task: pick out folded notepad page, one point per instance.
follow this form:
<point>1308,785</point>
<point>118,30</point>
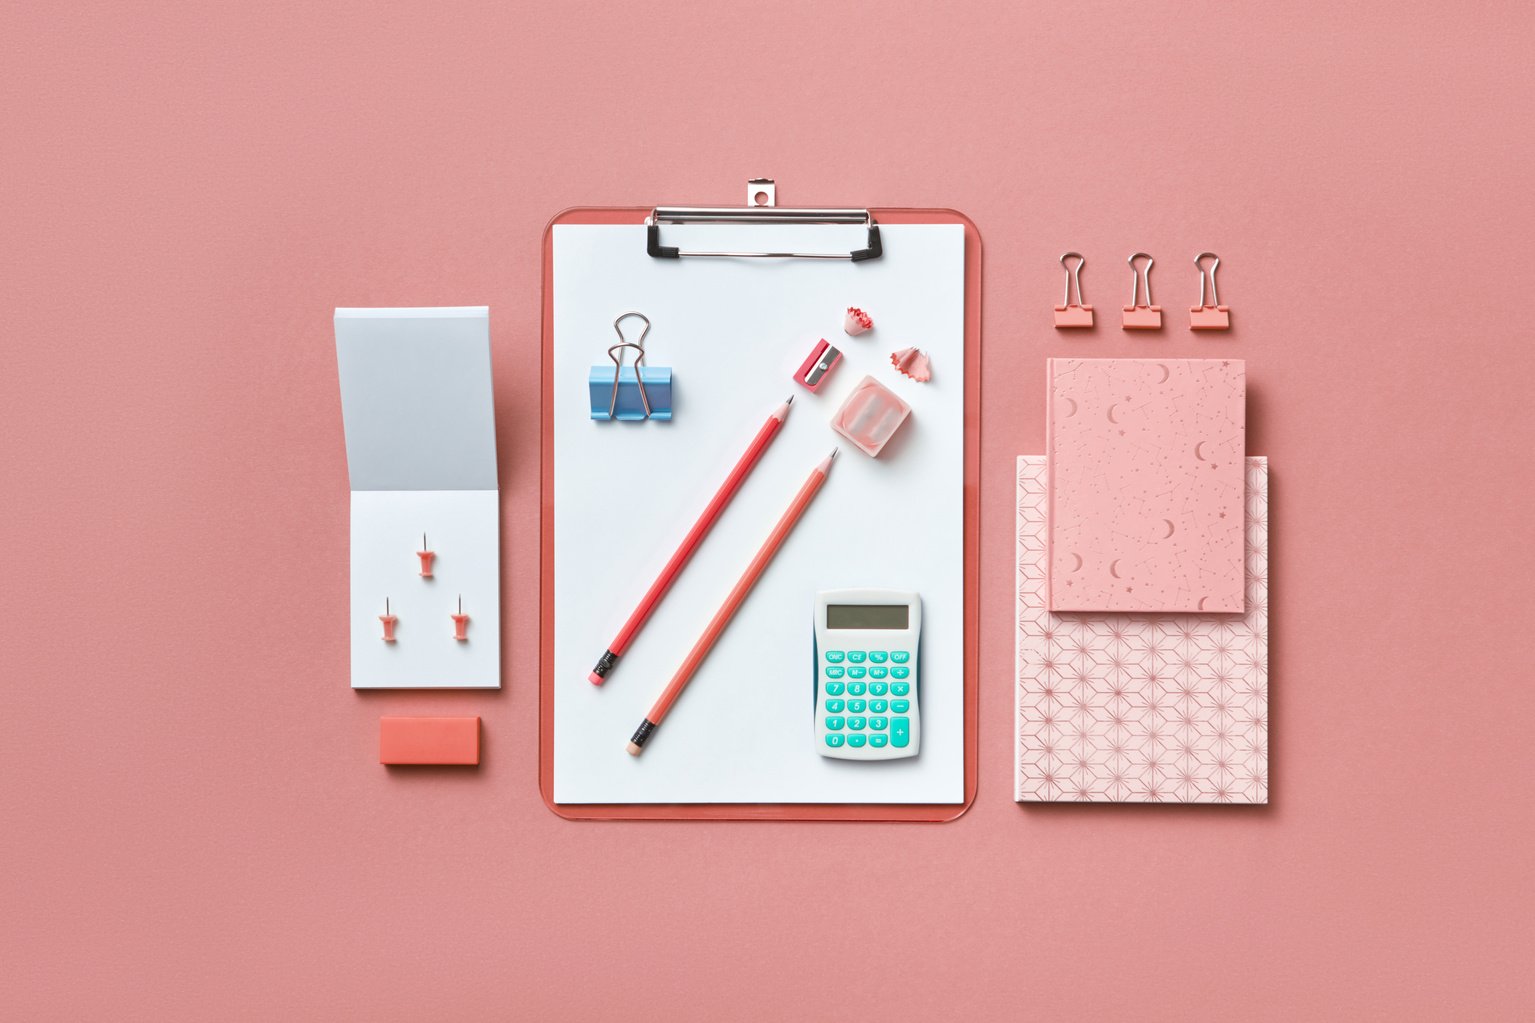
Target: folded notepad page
<point>1140,708</point>
<point>1145,503</point>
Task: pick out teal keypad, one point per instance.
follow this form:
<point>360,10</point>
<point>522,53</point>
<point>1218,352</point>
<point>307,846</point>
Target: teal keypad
<point>856,730</point>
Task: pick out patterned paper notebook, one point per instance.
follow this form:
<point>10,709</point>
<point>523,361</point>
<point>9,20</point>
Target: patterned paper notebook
<point>1140,708</point>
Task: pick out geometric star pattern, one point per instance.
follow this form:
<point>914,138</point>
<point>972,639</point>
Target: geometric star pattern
<point>1140,708</point>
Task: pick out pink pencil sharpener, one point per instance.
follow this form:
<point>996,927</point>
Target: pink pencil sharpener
<point>870,416</point>
<point>814,370</point>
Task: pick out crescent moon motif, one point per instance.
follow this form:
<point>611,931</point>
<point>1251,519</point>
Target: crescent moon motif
<point>1078,566</point>
<point>1073,408</point>
<point>1196,451</point>
<point>1170,528</point>
<point>1114,568</point>
<point>1111,415</point>
<point>1202,602</point>
<point>1165,373</point>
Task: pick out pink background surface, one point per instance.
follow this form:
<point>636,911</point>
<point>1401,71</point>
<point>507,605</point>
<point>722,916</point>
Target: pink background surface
<point>194,822</point>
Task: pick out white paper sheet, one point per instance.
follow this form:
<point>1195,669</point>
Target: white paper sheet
<point>733,332</point>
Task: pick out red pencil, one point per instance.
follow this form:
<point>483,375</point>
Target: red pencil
<point>722,617</point>
<point>690,543</point>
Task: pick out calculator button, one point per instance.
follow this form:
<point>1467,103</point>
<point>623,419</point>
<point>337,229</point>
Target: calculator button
<point>878,724</point>
<point>835,672</point>
<point>900,732</point>
<point>855,706</point>
<point>834,706</point>
<point>834,724</point>
<point>877,688</point>
<point>878,672</point>
<point>900,706</point>
<point>877,656</point>
<point>856,724</point>
<point>856,656</point>
<point>834,741</point>
<point>877,707</point>
<point>900,673</point>
<point>857,672</point>
<point>855,688</point>
<point>834,656</point>
<point>878,741</point>
<point>900,656</point>
<point>834,689</point>
<point>898,688</point>
<point>857,741</point>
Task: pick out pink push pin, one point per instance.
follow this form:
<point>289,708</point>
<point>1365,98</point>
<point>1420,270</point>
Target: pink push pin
<point>427,557</point>
<point>461,622</point>
<point>1139,315</point>
<point>389,621</point>
<point>1071,314</point>
<point>1213,316</point>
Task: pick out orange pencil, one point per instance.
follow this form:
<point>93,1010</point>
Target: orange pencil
<point>727,610</point>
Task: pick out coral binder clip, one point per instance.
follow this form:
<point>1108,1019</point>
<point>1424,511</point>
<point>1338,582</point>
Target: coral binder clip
<point>1069,313</point>
<point>1211,316</point>
<point>630,393</point>
<point>1137,315</point>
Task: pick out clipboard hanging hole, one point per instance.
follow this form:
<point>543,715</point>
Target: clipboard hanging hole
<point>761,192</point>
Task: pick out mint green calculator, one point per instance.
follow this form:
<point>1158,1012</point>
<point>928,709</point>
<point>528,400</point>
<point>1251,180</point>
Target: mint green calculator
<point>866,674</point>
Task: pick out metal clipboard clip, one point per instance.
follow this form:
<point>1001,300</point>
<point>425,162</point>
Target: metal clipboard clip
<point>630,393</point>
<point>761,208</point>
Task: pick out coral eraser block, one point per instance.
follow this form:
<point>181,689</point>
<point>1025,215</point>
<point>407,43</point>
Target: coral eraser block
<point>429,740</point>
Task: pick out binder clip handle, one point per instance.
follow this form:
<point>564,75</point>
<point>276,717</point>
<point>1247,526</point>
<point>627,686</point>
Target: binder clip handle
<point>1073,314</point>
<point>1207,275</point>
<point>639,361</point>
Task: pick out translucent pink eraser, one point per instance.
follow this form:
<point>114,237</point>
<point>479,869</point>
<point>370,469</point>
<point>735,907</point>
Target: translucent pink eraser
<point>870,416</point>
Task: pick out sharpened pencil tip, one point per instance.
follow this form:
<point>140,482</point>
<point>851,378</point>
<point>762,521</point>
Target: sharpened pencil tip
<point>789,400</point>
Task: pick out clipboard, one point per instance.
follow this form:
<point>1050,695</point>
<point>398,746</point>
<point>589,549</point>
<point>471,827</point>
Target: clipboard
<point>660,246</point>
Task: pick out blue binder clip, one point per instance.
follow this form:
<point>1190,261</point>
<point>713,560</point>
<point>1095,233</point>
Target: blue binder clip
<point>630,393</point>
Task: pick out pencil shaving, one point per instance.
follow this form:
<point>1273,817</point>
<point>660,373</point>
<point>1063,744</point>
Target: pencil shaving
<point>914,363</point>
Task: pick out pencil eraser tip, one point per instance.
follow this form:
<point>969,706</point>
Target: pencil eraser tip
<point>594,678</point>
<point>634,749</point>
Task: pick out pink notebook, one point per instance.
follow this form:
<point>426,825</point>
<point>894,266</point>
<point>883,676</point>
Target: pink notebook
<point>1137,708</point>
<point>1146,505</point>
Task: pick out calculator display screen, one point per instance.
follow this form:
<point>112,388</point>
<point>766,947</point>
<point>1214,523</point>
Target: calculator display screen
<point>867,616</point>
